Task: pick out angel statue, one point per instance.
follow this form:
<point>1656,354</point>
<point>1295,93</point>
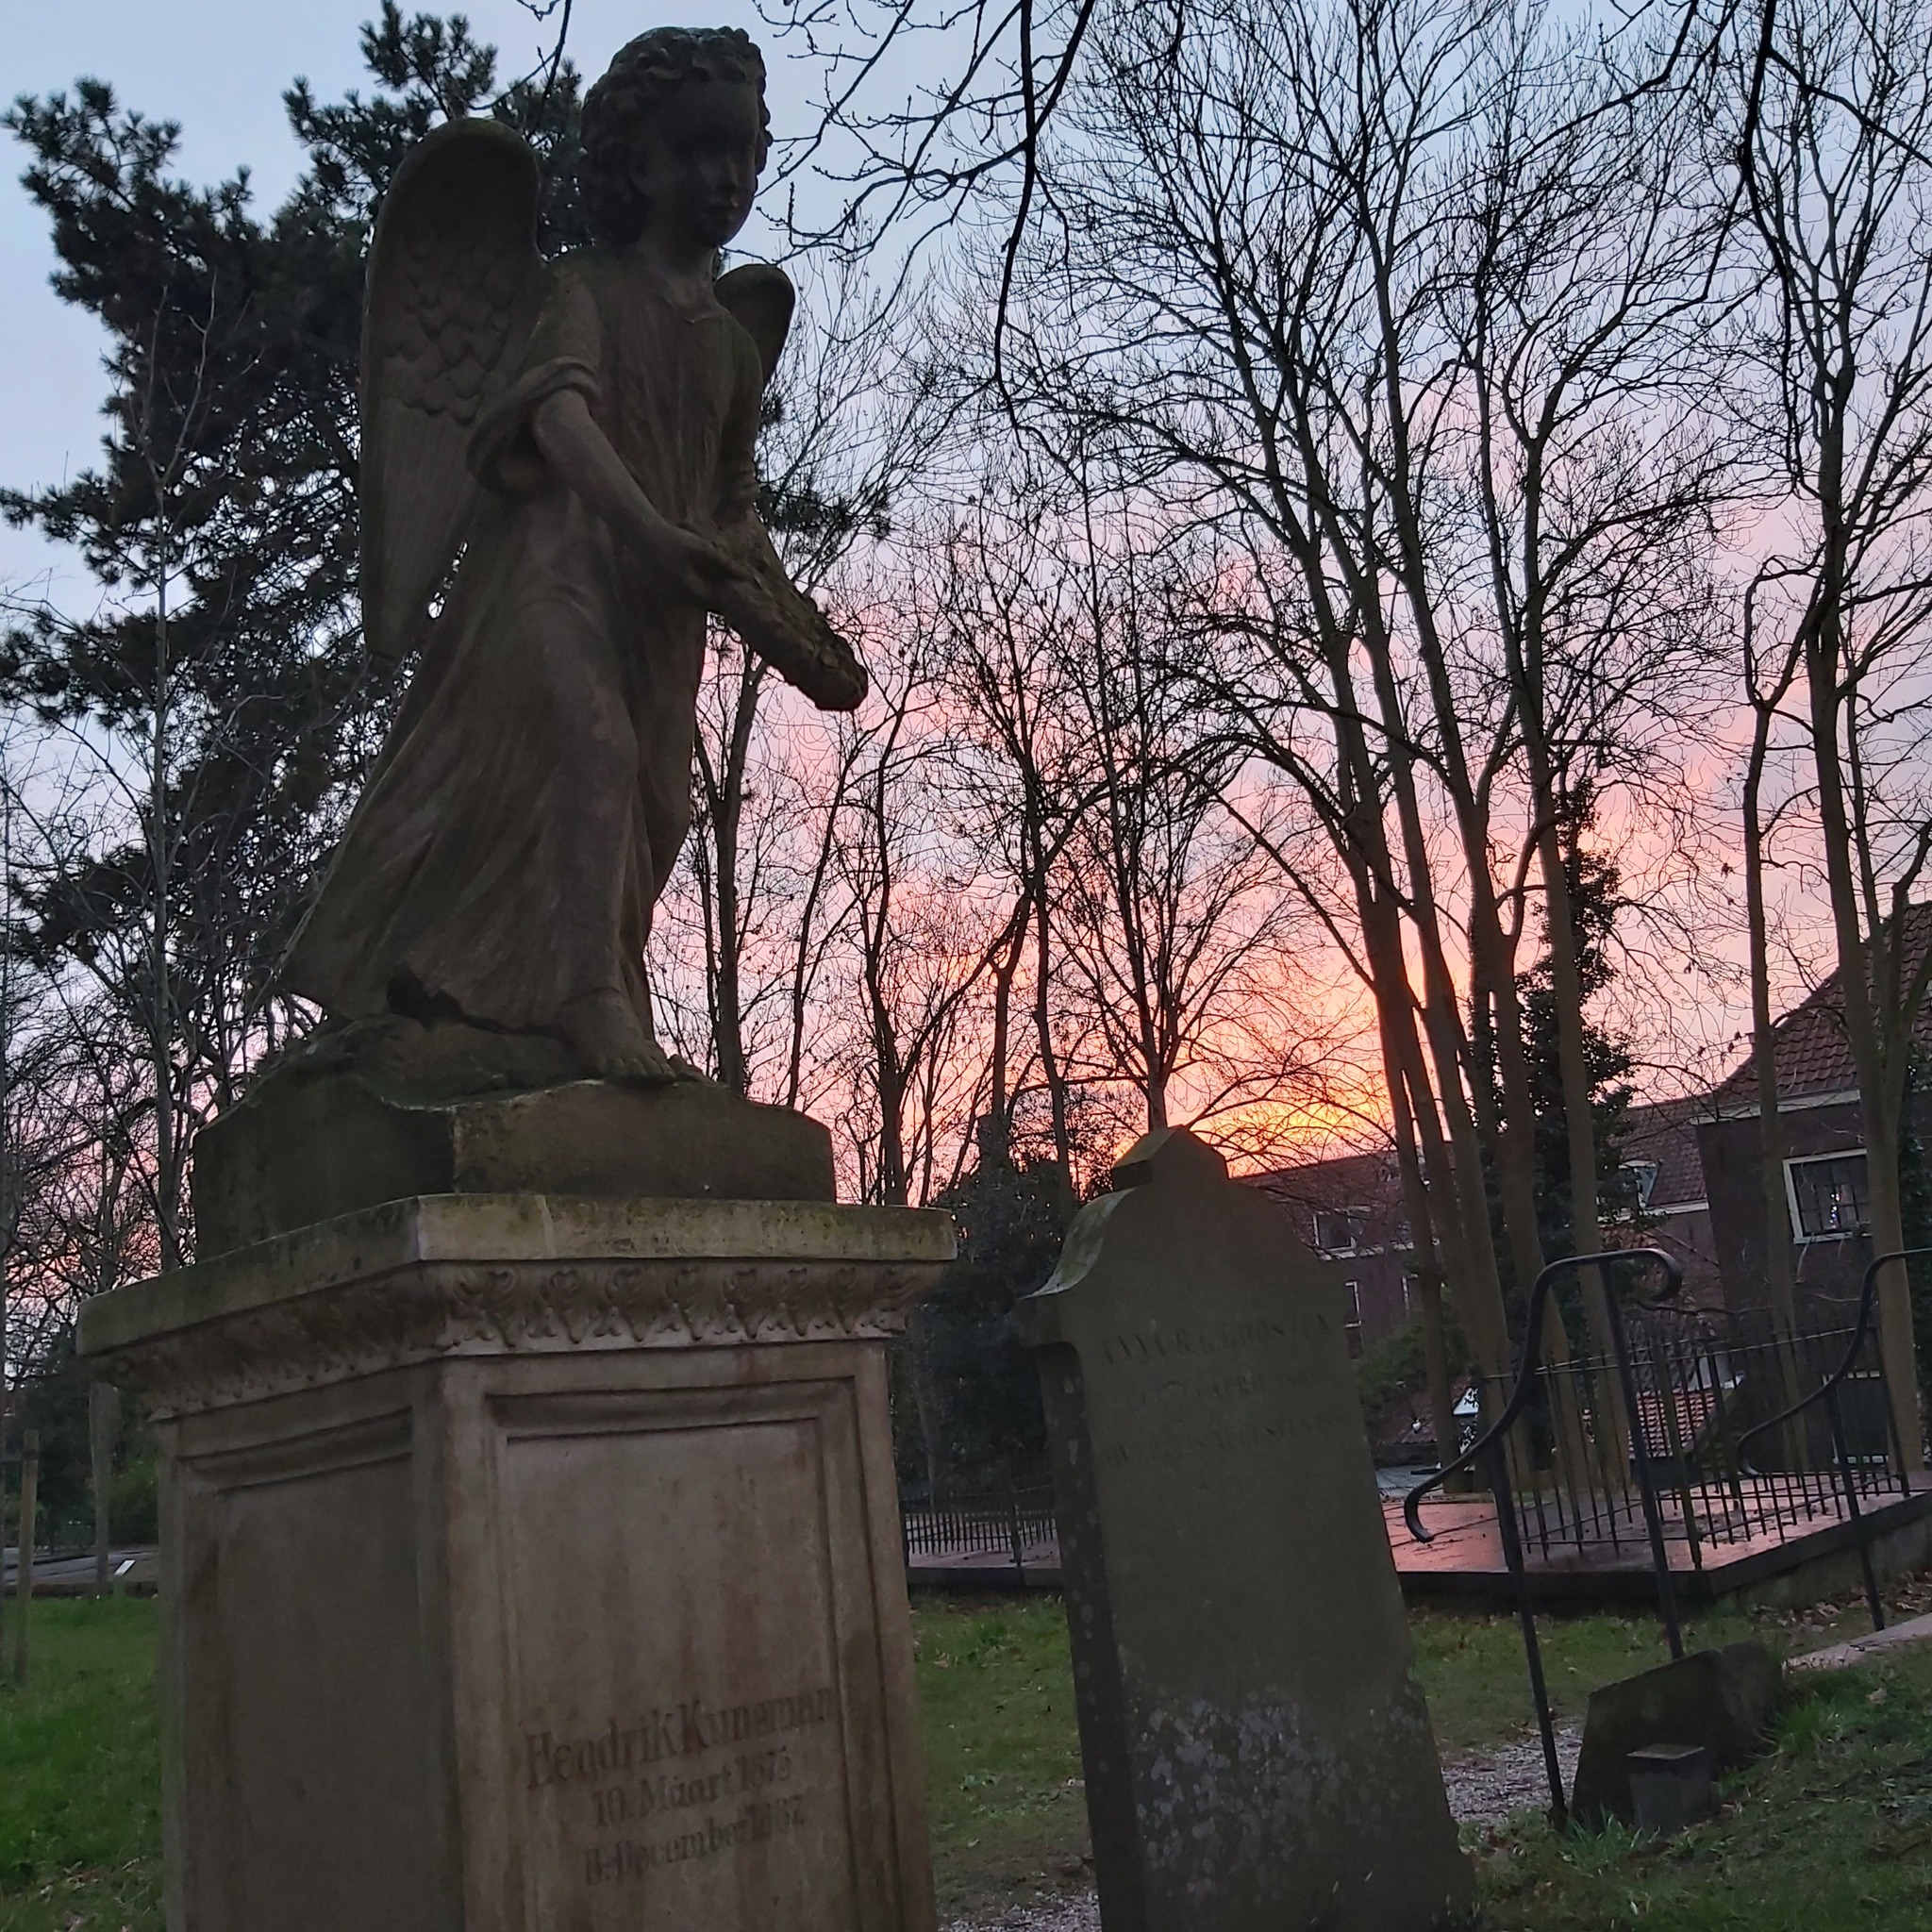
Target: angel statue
<point>578,434</point>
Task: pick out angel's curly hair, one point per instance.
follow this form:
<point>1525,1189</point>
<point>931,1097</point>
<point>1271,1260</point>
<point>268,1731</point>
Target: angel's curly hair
<point>641,75</point>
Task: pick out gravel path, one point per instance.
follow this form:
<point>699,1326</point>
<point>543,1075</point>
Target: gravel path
<point>1057,1915</point>
<point>1485,1790</point>
<point>1482,1791</point>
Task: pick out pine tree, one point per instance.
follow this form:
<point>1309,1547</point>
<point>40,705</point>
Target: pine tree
<point>1593,893</point>
<point>219,705</point>
<point>1594,884</point>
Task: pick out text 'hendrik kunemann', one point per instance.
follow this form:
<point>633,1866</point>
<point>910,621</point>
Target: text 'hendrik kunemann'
<point>681,1730</point>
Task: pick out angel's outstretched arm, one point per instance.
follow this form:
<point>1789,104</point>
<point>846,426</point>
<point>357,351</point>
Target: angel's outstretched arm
<point>580,454</point>
<point>768,611</point>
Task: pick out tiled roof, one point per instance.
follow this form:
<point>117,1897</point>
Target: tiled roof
<point>1666,1132</point>
<point>1813,1056</point>
<point>1368,1181</point>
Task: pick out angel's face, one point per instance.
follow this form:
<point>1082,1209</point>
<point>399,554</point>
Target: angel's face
<point>698,161</point>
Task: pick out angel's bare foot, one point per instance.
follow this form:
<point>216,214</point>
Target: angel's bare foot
<point>611,1042</point>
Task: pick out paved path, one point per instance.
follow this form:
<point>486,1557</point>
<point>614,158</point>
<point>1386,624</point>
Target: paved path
<point>1871,1648</point>
<point>135,1568</point>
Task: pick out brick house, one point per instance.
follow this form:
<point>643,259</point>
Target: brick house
<point>1669,1206</point>
<point>1824,1154</point>
<point>1349,1210</point>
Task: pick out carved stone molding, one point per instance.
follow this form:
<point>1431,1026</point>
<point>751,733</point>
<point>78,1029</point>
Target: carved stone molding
<point>441,1309</point>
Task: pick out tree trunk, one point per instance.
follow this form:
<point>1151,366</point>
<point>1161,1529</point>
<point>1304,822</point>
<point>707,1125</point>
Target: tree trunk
<point>30,1531</point>
<point>1049,1058</point>
<point>1428,1272</point>
<point>1771,1136</point>
<point>160,1036</point>
<point>724,808</point>
<point>1455,1166</point>
<point>1880,1086</point>
<point>1884,1199</point>
<point>1586,1224</point>
<point>104,1421</point>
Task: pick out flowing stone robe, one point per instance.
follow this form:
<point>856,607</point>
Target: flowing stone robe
<point>526,809</point>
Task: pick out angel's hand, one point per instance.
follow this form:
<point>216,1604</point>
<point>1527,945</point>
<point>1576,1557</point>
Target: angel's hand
<point>698,569</point>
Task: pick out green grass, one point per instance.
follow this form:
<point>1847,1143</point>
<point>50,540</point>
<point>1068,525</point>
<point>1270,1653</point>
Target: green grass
<point>79,1773</point>
<point>1471,1667</point>
<point>1831,1833</point>
<point>1005,1804</point>
<point>1833,1829</point>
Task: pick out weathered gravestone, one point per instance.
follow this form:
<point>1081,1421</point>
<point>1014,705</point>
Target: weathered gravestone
<point>1724,1700</point>
<point>1259,1756</point>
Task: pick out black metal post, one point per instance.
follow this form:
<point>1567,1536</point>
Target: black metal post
<point>1872,1600</point>
<point>1490,1450</point>
<point>1504,1490</point>
<point>1646,1483</point>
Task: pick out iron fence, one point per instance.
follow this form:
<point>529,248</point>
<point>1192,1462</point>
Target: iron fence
<point>1700,1382</point>
<point>1008,1520</point>
<point>1693,1378</point>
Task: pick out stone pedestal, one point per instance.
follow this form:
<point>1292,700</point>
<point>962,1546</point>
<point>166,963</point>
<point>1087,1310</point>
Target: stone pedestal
<point>532,1565</point>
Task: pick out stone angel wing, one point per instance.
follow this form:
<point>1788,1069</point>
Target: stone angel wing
<point>761,298</point>
<point>454,283</point>
<point>765,607</point>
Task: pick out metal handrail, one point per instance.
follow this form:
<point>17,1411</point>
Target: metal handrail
<point>1489,1448</point>
<point>1526,1374</point>
<point>1826,1393</point>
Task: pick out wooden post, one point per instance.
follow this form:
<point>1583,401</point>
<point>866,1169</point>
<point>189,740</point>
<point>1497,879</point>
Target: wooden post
<point>23,1586</point>
<point>103,1418</point>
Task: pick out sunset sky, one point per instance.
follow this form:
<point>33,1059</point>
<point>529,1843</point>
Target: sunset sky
<point>219,67</point>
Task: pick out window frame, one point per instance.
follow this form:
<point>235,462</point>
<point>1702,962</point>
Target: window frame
<point>1800,1237</point>
<point>1645,1175</point>
<point>1356,1220</point>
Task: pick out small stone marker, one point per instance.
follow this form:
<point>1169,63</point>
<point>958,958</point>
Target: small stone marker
<point>1671,1786</point>
<point>1724,1699</point>
<point>1257,1753</point>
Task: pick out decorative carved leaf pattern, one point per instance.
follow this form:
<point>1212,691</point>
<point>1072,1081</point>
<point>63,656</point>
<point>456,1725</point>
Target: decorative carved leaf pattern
<point>437,1310</point>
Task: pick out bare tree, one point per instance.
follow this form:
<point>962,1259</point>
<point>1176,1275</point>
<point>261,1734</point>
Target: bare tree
<point>1019,769</point>
<point>849,419</point>
<point>915,946</point>
<point>1830,124</point>
<point>1392,295</point>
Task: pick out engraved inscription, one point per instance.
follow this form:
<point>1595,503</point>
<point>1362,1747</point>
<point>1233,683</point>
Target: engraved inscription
<point>633,1859</point>
<point>1199,1391</point>
<point>713,1796</point>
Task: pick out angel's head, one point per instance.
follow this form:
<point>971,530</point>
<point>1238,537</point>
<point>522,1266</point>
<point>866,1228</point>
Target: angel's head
<point>675,135</point>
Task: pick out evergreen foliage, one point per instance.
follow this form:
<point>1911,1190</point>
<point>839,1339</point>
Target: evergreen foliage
<point>193,740</point>
<point>226,658</point>
<point>1593,895</point>
<point>976,1383</point>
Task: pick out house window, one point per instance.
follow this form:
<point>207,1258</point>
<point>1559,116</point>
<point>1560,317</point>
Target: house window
<point>1640,1178</point>
<point>1339,1230</point>
<point>1354,1291</point>
<point>1827,1197</point>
